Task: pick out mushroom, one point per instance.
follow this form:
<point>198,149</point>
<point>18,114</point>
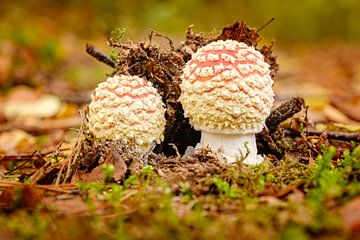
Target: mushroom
<point>227,95</point>
<point>127,108</point>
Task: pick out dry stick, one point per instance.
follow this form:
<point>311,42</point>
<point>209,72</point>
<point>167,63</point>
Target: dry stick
<point>157,34</point>
<point>19,157</point>
<point>76,149</point>
<point>285,111</point>
<point>263,26</point>
<point>27,157</point>
<point>40,173</point>
<point>293,106</point>
<point>345,136</point>
<point>93,51</point>
<point>52,188</point>
<point>309,144</point>
<point>69,159</point>
<point>21,165</point>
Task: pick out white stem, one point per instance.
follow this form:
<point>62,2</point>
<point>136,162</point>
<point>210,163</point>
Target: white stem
<point>233,147</point>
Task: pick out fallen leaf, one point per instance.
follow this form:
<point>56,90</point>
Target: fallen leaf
<point>67,111</point>
<point>7,199</point>
<point>67,206</point>
<point>30,197</point>
<point>349,106</point>
<point>15,141</point>
<point>117,160</point>
<point>351,215</point>
<point>272,201</point>
<point>334,115</point>
<point>26,102</point>
<point>297,196</point>
<point>354,127</point>
<point>96,175</point>
<point>6,52</point>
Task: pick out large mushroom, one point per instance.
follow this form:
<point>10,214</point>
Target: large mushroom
<point>127,108</point>
<point>227,95</point>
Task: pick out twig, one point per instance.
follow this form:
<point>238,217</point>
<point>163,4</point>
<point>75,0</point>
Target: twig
<point>44,170</point>
<point>119,45</point>
<point>145,157</point>
<point>157,34</point>
<point>76,151</point>
<point>176,149</point>
<point>94,52</point>
<point>40,173</point>
<point>67,189</point>
<point>285,111</point>
<point>345,136</point>
<point>263,26</point>
<point>27,157</point>
<point>309,143</point>
<point>21,165</point>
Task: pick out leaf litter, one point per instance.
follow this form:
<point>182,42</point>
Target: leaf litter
<point>175,190</point>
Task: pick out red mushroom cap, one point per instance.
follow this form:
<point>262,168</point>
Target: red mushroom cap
<point>227,88</point>
<point>127,108</point>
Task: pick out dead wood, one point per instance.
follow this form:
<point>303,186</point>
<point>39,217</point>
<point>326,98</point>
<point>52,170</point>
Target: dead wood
<point>94,52</point>
<point>344,136</point>
<point>283,112</point>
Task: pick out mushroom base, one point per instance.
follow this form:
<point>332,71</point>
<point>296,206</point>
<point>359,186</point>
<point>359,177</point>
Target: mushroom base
<point>232,147</point>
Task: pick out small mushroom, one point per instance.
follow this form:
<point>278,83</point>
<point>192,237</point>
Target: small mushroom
<point>227,95</point>
<point>127,108</point>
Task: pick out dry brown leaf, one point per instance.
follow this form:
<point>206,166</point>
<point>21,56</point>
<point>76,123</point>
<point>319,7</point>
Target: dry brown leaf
<point>117,160</point>
<point>5,62</point>
<point>43,107</point>
<point>30,197</point>
<point>15,141</point>
<point>27,102</point>
<point>67,111</point>
<point>351,215</point>
<point>334,115</point>
<point>97,175</point>
<point>67,206</point>
<point>348,105</point>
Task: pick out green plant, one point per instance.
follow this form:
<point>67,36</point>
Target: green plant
<point>328,181</point>
<point>185,189</point>
<point>225,189</point>
<point>294,232</point>
<point>108,171</point>
<point>130,181</point>
<point>146,173</point>
<point>117,34</point>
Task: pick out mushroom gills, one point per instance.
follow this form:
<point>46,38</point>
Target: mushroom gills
<point>232,147</point>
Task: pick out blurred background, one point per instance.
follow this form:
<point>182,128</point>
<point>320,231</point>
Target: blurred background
<point>42,43</point>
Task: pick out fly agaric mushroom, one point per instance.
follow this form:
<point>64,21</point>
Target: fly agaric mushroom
<point>127,108</point>
<point>227,95</point>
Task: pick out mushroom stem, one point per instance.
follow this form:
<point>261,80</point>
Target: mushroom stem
<point>233,147</point>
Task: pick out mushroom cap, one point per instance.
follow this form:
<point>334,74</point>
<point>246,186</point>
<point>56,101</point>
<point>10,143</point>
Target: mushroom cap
<point>227,88</point>
<point>127,108</point>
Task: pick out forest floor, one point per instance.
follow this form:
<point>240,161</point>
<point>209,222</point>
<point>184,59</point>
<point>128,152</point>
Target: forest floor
<point>57,182</point>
